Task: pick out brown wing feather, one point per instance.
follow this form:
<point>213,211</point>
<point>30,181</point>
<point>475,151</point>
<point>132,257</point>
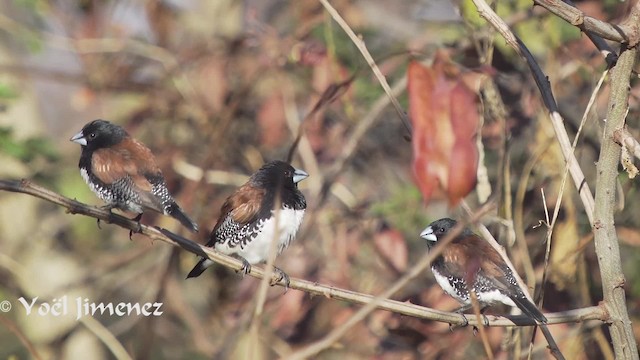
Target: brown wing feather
<point>128,158</point>
<point>476,255</point>
<point>243,205</point>
<point>140,155</point>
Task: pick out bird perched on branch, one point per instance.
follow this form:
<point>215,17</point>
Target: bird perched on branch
<point>469,259</point>
<point>123,172</point>
<point>246,225</point>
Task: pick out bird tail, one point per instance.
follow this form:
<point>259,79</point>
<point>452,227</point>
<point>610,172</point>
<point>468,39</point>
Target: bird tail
<point>529,309</point>
<point>200,267</point>
<point>176,212</point>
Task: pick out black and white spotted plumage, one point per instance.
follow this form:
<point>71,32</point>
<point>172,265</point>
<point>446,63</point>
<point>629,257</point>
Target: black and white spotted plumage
<point>246,225</point>
<point>123,172</point>
<point>468,259</point>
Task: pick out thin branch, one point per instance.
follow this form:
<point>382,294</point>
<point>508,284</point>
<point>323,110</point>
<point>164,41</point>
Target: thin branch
<point>12,327</point>
<point>359,43</point>
<point>330,292</point>
<point>330,94</point>
<point>609,55</point>
<point>348,150</point>
<point>563,182</point>
<point>109,340</point>
<point>623,137</point>
<point>550,103</point>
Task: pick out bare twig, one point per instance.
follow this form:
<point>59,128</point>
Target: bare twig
<point>556,209</point>
<point>11,326</point>
<point>109,340</point>
<point>330,94</point>
<point>623,138</point>
<point>354,140</point>
<point>483,332</point>
<point>359,43</point>
<point>547,96</point>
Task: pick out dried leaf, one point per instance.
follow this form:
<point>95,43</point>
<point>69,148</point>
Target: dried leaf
<point>445,123</point>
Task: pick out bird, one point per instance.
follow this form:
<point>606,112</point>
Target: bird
<point>123,172</point>
<point>469,259</point>
<point>246,225</point>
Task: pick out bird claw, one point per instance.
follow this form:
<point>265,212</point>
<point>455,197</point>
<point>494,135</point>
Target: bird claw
<point>105,208</point>
<point>282,276</point>
<point>139,229</point>
<point>485,321</point>
<point>246,267</point>
<point>465,323</point>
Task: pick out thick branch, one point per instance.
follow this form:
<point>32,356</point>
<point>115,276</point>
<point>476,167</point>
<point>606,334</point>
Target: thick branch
<point>404,308</point>
<point>606,240</point>
<point>627,34</point>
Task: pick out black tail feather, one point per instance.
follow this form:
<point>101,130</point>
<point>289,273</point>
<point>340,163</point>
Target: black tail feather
<point>200,267</point>
<point>529,309</point>
<point>176,212</point>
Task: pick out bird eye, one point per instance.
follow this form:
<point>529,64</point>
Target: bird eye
<point>287,173</point>
<point>92,135</point>
<point>441,230</point>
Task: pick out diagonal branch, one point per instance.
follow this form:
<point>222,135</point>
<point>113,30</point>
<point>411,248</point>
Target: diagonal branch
<point>549,101</point>
<point>330,292</point>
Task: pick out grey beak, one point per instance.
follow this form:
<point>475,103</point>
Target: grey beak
<point>79,138</point>
<point>428,234</point>
<point>299,175</point>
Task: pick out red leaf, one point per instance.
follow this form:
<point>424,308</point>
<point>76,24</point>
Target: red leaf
<point>445,121</point>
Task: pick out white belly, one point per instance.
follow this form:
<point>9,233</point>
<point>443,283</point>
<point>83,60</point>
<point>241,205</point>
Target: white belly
<point>443,281</point>
<point>257,250</point>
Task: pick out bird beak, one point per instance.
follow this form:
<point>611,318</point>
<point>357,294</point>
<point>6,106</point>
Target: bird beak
<point>299,175</point>
<point>428,234</point>
<point>79,138</point>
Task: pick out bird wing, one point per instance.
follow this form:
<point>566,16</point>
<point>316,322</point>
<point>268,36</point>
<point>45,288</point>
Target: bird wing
<point>501,276</point>
<point>240,210</point>
<point>131,164</point>
<point>474,258</point>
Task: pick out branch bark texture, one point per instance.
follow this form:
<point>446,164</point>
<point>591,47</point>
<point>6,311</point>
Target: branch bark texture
<point>606,240</point>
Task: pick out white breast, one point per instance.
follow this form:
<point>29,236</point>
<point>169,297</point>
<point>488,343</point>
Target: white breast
<point>257,250</point>
<point>102,193</point>
<point>443,281</point>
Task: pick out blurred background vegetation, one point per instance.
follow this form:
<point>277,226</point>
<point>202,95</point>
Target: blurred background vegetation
<point>215,88</point>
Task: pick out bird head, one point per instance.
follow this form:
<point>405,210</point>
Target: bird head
<point>437,230</point>
<point>278,173</point>
<point>99,134</point>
